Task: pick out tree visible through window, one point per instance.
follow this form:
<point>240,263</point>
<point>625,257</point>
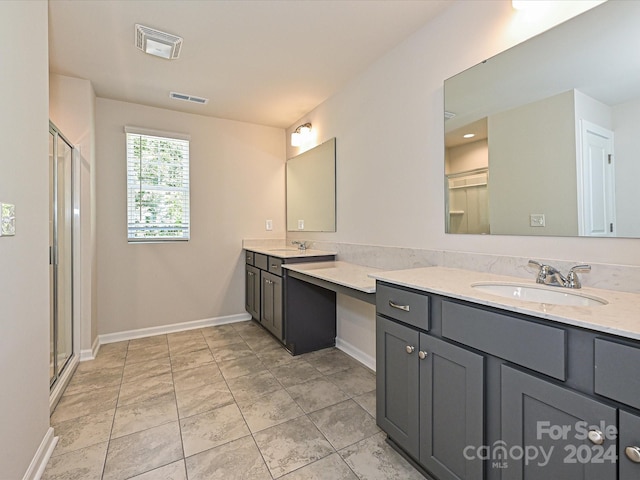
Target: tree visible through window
<point>157,187</point>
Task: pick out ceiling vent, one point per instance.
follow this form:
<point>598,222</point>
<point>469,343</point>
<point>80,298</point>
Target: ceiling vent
<point>448,115</point>
<point>188,98</point>
<point>155,42</point>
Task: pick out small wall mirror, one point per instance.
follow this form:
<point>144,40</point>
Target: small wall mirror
<point>311,189</point>
<point>542,139</point>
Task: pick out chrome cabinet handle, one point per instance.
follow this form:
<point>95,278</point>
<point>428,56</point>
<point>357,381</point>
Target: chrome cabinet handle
<point>273,265</point>
<point>393,304</point>
<point>422,354</point>
<point>596,437</point>
<point>410,349</point>
<point>633,454</point>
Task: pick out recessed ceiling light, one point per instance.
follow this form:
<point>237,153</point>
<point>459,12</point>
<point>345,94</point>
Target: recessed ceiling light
<point>469,135</point>
<point>157,43</point>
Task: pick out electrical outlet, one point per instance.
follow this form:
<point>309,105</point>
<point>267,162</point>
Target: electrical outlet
<point>536,219</point>
<point>7,219</point>
<point>300,224</point>
<point>268,225</point>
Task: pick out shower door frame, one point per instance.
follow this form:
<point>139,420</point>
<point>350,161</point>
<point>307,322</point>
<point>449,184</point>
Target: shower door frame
<point>62,374</point>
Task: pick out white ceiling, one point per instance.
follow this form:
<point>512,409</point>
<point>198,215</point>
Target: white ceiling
<point>261,61</point>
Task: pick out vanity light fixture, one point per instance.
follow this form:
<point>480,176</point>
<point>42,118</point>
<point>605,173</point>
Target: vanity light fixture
<point>301,135</point>
<point>157,43</point>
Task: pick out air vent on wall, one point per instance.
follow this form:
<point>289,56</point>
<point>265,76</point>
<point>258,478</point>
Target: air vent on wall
<point>155,42</point>
<point>188,98</point>
<point>449,115</point>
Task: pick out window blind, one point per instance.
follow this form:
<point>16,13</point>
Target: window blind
<point>157,186</point>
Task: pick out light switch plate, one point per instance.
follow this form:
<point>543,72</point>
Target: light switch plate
<point>536,220</point>
<point>7,219</point>
<point>300,224</point>
<point>268,225</point>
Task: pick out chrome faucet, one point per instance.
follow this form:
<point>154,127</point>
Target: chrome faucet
<point>549,275</point>
<point>301,245</point>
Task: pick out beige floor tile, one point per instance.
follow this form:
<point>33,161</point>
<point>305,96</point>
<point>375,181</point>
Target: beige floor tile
<point>202,399</point>
<point>316,394</point>
<point>83,432</point>
<point>137,372</point>
<point>187,360</point>
<point>94,379</point>
<point>249,387</point>
<point>291,445</point>
<point>145,354</point>
<point>344,424</point>
<point>221,340</point>
<point>187,344</point>
<point>196,377</point>
<point>145,389</point>
<point>85,403</point>
<point>331,467</point>
<point>173,471</point>
<point>232,351</point>
<point>374,459</point>
<point>330,360</point>
<point>354,381</point>
<point>146,342</point>
<point>142,416</point>
<point>143,451</point>
<point>276,357</point>
<point>269,410</point>
<point>295,373</point>
<point>84,464</point>
<point>368,402</point>
<point>236,460</point>
<point>248,364</point>
<point>211,429</point>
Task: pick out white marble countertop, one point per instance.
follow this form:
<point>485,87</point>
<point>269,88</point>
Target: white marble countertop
<point>620,316</point>
<point>288,252</point>
<point>341,273</point>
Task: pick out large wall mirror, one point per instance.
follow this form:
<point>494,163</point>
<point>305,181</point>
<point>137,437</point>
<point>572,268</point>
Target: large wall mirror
<point>311,189</point>
<point>556,133</point>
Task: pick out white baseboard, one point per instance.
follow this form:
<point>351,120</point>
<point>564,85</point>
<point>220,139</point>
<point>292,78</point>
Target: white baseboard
<point>90,354</point>
<point>41,458</point>
<point>367,360</point>
<point>175,327</point>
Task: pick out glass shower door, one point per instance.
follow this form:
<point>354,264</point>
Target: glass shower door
<point>60,253</point>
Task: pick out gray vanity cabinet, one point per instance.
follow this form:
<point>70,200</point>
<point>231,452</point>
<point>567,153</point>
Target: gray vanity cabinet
<point>397,384</point>
<point>271,314</point>
<point>629,445</point>
<point>430,398</point>
<point>252,291</point>
<point>571,436</point>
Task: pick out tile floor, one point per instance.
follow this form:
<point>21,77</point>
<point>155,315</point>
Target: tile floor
<point>224,402</point>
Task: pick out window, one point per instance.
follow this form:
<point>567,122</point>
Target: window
<point>157,186</point>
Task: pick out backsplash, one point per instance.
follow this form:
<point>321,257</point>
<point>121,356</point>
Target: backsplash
<point>624,278</point>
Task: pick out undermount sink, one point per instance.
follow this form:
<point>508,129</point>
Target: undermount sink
<point>283,249</point>
<point>539,294</point>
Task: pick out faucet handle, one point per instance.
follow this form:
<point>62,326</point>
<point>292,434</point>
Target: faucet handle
<point>572,277</point>
<point>542,270</point>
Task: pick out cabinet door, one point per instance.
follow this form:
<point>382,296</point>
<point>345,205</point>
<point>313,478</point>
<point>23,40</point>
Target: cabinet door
<point>397,383</point>
<point>629,457</point>
<point>451,409</point>
<point>552,426</point>
<point>271,305</point>
<point>252,291</point>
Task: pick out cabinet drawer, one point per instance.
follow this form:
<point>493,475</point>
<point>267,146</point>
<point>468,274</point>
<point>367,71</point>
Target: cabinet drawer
<point>409,307</point>
<point>275,266</point>
<point>249,257</point>
<point>261,261</point>
<point>616,371</point>
<point>538,347</point>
